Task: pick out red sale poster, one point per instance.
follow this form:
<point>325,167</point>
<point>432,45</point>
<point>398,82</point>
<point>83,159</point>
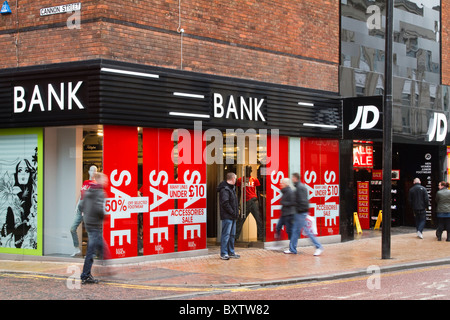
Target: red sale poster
<point>158,173</point>
<point>277,168</point>
<point>363,204</point>
<point>120,155</point>
<point>320,174</point>
<point>190,214</point>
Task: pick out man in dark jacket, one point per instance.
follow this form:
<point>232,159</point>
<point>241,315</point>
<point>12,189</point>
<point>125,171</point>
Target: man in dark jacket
<point>229,211</point>
<point>419,200</point>
<point>288,209</point>
<point>93,214</point>
<point>299,221</point>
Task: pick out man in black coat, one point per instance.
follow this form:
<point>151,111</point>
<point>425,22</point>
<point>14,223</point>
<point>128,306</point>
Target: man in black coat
<point>419,200</point>
<point>229,212</point>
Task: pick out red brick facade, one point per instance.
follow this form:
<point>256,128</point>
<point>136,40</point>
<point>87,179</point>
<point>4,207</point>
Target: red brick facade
<point>288,42</point>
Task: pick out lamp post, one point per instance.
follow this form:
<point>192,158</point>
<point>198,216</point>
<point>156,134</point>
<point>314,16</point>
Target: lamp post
<point>387,134</point>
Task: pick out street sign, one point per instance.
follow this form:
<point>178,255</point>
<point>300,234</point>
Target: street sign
<point>5,8</point>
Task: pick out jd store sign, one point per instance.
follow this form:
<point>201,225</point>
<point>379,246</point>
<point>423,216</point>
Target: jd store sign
<point>437,129</point>
<point>363,118</point>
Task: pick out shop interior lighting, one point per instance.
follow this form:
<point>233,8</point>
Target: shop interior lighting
<point>190,115</point>
<point>130,73</point>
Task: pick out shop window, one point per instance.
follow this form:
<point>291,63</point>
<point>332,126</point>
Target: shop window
<point>21,191</point>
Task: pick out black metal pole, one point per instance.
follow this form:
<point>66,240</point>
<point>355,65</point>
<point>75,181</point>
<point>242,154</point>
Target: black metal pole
<point>387,134</point>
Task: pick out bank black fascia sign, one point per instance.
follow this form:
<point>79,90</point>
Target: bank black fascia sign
<point>42,96</point>
<point>362,118</point>
<point>109,92</point>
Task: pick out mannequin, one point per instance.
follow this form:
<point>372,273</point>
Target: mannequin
<point>251,201</point>
<point>78,214</point>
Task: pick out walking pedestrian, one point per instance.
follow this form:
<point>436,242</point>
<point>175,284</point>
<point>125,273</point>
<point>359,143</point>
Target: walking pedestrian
<point>78,212</point>
<point>443,210</point>
<point>299,221</point>
<point>288,208</point>
<point>419,200</point>
<point>229,212</point>
<point>93,209</point>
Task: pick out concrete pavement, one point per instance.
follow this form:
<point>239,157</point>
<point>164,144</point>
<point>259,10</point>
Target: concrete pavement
<point>258,266</point>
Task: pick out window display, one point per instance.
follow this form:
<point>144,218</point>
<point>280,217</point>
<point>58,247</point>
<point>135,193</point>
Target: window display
<point>21,191</point>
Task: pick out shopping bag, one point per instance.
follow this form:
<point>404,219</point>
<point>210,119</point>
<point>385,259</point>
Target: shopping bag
<point>311,225</point>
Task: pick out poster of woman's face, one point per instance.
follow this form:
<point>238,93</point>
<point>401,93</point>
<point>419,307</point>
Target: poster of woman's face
<point>18,191</point>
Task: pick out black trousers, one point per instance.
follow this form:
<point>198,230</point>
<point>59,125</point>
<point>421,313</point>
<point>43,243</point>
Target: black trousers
<point>252,206</point>
<point>443,224</point>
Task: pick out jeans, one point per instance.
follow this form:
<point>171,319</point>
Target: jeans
<point>227,238</point>
<point>287,222</point>
<point>76,222</point>
<point>420,217</point>
<point>299,223</point>
<point>95,244</point>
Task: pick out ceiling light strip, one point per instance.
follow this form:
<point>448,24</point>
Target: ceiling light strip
<point>189,95</point>
<point>130,73</point>
<point>190,115</point>
<point>317,125</point>
<point>306,104</point>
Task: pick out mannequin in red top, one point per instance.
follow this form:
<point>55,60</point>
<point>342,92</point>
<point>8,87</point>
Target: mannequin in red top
<point>251,203</point>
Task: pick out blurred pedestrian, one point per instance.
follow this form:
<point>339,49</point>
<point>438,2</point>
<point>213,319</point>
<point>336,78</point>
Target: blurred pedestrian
<point>93,210</point>
<point>419,200</point>
<point>78,213</point>
<point>229,212</point>
<point>443,210</point>
<point>299,221</point>
<point>287,210</point>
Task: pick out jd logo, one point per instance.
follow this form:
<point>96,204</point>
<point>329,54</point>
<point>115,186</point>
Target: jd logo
<point>437,127</point>
<point>362,116</point>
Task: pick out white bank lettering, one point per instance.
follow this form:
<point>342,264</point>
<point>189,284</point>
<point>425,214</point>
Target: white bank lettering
<point>239,108</point>
<point>66,99</point>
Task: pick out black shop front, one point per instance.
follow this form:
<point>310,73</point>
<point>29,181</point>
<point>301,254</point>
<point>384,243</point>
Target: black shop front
<point>420,156</point>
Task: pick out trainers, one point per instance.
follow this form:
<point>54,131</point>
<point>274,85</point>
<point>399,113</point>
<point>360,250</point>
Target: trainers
<point>89,279</point>
<point>225,257</point>
<point>288,252</point>
<point>77,251</point>
<point>318,252</point>
<point>234,256</point>
<point>419,235</point>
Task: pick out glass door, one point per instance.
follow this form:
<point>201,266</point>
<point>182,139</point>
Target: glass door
<point>242,155</point>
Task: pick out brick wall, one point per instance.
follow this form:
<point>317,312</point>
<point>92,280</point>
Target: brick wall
<point>289,42</point>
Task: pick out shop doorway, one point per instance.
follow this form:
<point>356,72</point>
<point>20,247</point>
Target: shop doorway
<point>243,155</point>
<point>408,162</point>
